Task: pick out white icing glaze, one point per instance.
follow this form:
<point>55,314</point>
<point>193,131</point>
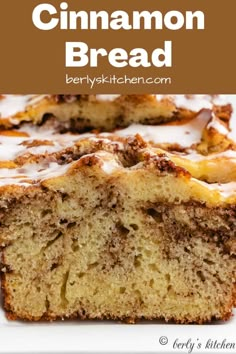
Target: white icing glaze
<point>226,190</point>
<point>182,134</point>
<point>232,134</point>
<point>38,172</point>
<point>109,98</point>
<point>12,147</point>
<point>194,156</point>
<point>103,137</point>
<point>31,172</point>
<point>109,163</point>
<point>217,125</point>
<point>43,149</point>
<point>195,102</point>
<point>10,105</point>
<point>190,102</point>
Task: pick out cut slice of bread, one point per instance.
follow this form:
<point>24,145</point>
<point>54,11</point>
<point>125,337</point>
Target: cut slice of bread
<point>116,230</point>
<point>135,219</point>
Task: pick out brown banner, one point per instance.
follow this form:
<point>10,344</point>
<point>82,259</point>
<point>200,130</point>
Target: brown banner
<point>168,58</point>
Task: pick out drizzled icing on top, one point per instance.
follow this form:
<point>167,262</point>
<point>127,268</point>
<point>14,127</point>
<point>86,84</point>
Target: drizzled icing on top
<point>195,102</point>
<point>190,102</point>
<point>34,173</point>
<point>36,140</point>
<point>31,173</point>
<point>185,134</point>
<point>10,105</point>
<point>217,125</point>
<point>192,155</point>
<point>226,190</point>
<point>109,98</point>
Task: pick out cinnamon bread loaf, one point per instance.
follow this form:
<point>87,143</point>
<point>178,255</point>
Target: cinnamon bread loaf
<point>118,226</point>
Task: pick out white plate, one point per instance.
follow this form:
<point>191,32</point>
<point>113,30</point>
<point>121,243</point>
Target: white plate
<point>109,337</point>
<point>113,338</point>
